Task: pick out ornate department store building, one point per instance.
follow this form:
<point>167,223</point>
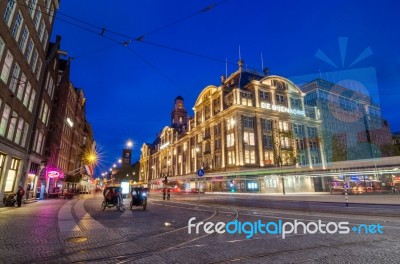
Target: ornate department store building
<point>247,135</point>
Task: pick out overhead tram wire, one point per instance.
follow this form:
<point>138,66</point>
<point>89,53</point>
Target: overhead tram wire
<point>104,30</point>
<point>95,51</point>
<point>125,44</point>
<point>139,39</point>
<point>156,69</point>
<point>206,9</point>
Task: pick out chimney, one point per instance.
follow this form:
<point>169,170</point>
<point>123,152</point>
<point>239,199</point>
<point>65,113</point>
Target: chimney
<point>223,79</point>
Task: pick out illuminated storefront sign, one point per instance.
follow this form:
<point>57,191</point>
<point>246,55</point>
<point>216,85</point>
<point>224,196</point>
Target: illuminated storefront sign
<point>283,109</point>
<point>53,174</point>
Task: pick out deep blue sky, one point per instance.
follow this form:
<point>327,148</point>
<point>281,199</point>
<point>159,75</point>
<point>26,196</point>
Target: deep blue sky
<point>130,89</point>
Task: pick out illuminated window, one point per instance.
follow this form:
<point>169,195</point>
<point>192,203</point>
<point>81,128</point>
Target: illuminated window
<point>18,133</point>
<point>27,95</point>
<point>11,128</point>
<point>11,175</point>
<point>283,126</point>
<point>4,119</point>
<point>230,140</point>
<point>249,156</point>
<point>231,157</point>
<point>15,77</point>
<point>5,73</point>
<point>21,87</point>
<point>248,138</point>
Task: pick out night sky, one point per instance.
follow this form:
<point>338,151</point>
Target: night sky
<point>133,58</point>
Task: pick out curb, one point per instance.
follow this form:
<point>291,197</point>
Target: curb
<point>31,200</point>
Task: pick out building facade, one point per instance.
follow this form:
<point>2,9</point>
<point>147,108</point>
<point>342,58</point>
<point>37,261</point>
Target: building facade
<point>352,125</point>
<point>25,58</point>
<point>243,135</point>
<point>396,143</point>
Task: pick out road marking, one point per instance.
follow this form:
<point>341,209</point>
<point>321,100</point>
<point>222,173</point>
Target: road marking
<point>84,218</point>
<point>67,223</point>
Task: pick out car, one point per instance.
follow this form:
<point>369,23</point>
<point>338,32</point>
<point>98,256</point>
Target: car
<point>194,190</point>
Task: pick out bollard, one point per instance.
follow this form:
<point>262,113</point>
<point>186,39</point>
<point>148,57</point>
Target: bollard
<point>347,198</point>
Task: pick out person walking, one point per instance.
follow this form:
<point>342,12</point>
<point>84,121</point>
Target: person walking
<point>164,192</point>
<point>28,189</point>
<point>20,194</point>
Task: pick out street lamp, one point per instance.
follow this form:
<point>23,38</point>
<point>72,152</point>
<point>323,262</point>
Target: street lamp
<point>129,144</point>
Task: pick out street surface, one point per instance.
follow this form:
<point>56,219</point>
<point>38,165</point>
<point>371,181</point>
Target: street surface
<point>79,231</point>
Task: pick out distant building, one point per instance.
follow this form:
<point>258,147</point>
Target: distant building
<point>352,125</point>
<point>396,142</point>
<point>126,171</point>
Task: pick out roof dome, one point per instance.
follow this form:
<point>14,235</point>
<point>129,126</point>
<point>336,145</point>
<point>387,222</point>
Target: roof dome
<point>179,98</point>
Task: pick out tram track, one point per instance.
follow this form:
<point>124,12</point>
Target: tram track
<point>170,241</point>
<point>178,246</point>
<point>143,245</point>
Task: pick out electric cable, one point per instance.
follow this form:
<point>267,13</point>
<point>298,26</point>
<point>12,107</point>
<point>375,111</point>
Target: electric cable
<point>130,38</point>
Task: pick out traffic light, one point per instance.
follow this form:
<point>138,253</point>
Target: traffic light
<point>232,185</point>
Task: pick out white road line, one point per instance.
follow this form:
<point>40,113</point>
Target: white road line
<point>67,223</point>
<point>85,218</point>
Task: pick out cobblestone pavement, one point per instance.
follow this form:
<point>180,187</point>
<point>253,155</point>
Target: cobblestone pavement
<point>79,231</point>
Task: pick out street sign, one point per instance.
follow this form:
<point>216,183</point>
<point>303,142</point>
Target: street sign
<point>200,172</point>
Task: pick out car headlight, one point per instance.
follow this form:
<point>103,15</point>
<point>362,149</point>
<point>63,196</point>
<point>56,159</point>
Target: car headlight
<point>144,194</point>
